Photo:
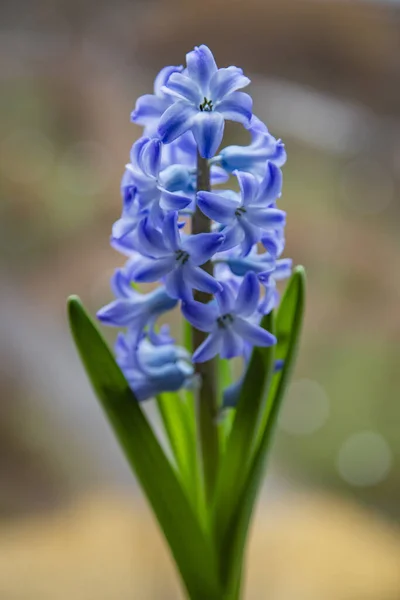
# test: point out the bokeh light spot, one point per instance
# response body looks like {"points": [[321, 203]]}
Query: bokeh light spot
{"points": [[305, 409], [364, 459]]}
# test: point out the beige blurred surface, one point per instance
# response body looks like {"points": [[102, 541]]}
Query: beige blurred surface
{"points": [[105, 546]]}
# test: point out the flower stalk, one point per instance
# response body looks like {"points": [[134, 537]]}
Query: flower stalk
{"points": [[207, 405]]}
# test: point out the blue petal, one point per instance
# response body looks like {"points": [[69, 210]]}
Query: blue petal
{"points": [[201, 67], [149, 108], [150, 157], [225, 299], [150, 240], [148, 270], [248, 186], [202, 246], [201, 316], [234, 235], [121, 284], [236, 107], [266, 218], [119, 313], [269, 301], [252, 235], [217, 207], [178, 286], [173, 200], [208, 131], [176, 120], [283, 269], [218, 175], [163, 77], [232, 344], [136, 151], [209, 348], [171, 232], [226, 81], [176, 177], [255, 335], [248, 295], [200, 280], [271, 185], [274, 242], [184, 88]]}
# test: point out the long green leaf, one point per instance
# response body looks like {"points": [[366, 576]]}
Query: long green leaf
{"points": [[189, 544], [237, 457], [289, 324]]}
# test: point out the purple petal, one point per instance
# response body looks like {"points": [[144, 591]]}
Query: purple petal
{"points": [[248, 295], [236, 107], [266, 218], [283, 269], [218, 175], [252, 235], [234, 234], [209, 348], [202, 246], [200, 280], [271, 185], [217, 207], [248, 186], [173, 200], [150, 157], [201, 316], [255, 335], [171, 232], [148, 108], [201, 67], [232, 344], [184, 88], [148, 270], [176, 120], [226, 81], [208, 131]]}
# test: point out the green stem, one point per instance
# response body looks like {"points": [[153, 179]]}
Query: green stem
{"points": [[207, 393]]}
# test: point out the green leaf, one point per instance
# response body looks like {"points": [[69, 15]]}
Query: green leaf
{"points": [[180, 427], [237, 458], [192, 549], [288, 330]]}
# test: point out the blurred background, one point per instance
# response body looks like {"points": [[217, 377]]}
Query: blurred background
{"points": [[326, 79]]}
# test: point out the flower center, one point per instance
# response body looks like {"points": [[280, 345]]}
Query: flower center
{"points": [[206, 105], [240, 211], [224, 321], [181, 256]]}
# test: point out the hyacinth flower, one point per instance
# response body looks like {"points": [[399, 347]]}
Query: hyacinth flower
{"points": [[214, 256]]}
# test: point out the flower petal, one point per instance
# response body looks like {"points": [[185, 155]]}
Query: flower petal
{"points": [[202, 246], [148, 270], [236, 107], [202, 316], [232, 344], [257, 336], [209, 348], [201, 67], [177, 285], [200, 280], [148, 108], [217, 207], [225, 299], [248, 186], [271, 185], [183, 87], [173, 200], [177, 119], [163, 77], [226, 81], [119, 313], [171, 232], [150, 157], [150, 240], [266, 218], [208, 131], [252, 235], [234, 234], [248, 295]]}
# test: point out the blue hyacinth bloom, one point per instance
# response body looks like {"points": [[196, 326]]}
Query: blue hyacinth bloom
{"points": [[228, 321], [151, 370], [252, 158], [204, 97], [176, 257], [250, 213]]}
